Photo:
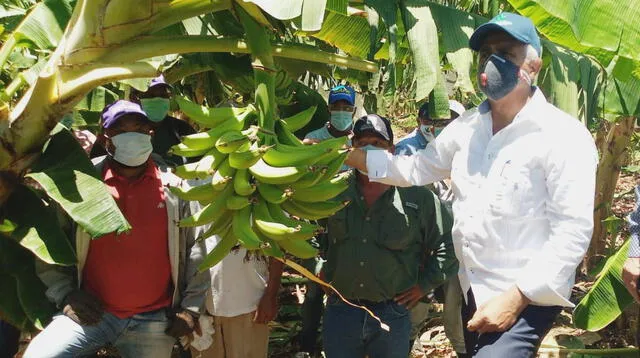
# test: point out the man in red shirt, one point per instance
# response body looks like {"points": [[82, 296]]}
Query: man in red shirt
{"points": [[137, 290]]}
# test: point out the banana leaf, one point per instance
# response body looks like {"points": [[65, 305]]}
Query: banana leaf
{"points": [[38, 228], [387, 11], [313, 14], [563, 79], [456, 27], [602, 28], [339, 6], [281, 10], [348, 33], [10, 309], [42, 27], [607, 298], [422, 34], [69, 178]]}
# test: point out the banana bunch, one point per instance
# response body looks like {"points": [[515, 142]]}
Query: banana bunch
{"points": [[262, 187]]}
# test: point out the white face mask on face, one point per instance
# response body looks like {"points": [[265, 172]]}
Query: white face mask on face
{"points": [[425, 130], [131, 148]]}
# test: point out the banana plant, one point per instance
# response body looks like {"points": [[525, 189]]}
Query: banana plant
{"points": [[99, 42], [607, 298]]}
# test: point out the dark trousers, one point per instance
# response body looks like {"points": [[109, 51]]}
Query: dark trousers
{"points": [[349, 332], [522, 340], [9, 340], [312, 310]]}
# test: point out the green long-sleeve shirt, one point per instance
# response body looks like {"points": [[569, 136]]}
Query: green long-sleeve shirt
{"points": [[402, 240]]}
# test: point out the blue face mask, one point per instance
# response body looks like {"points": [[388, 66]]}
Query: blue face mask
{"points": [[502, 76], [341, 120]]}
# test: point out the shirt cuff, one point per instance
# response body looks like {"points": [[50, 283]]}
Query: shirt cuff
{"points": [[541, 294], [378, 164]]}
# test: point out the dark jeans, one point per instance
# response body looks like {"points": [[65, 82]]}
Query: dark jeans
{"points": [[9, 339], [349, 332], [522, 340]]}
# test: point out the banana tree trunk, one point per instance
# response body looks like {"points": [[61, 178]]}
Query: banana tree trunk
{"points": [[614, 147]]}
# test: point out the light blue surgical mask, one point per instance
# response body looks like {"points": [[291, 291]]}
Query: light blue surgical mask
{"points": [[341, 120], [156, 108]]}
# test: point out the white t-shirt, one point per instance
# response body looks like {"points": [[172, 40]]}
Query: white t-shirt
{"points": [[236, 285]]}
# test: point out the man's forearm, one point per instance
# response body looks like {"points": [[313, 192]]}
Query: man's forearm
{"points": [[275, 276]]}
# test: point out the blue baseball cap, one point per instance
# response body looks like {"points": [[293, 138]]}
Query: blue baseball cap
{"points": [[519, 27], [342, 92], [116, 110]]}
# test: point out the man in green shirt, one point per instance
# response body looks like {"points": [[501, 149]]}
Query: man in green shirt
{"points": [[386, 250]]}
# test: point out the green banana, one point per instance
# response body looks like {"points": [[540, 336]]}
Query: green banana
{"points": [[300, 119], [219, 226], [285, 135], [283, 155], [271, 248], [232, 140], [313, 211], [203, 192], [222, 176], [211, 212], [299, 248], [334, 167], [237, 202], [227, 241], [310, 179], [208, 139], [266, 173], [202, 168], [274, 230], [274, 194], [243, 231], [183, 150], [245, 159], [208, 117], [242, 184], [323, 191], [280, 216]]}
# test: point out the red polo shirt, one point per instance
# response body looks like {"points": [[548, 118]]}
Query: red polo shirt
{"points": [[131, 272]]}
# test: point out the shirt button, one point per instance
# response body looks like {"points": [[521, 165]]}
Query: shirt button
{"points": [[362, 198], [362, 285], [361, 263], [364, 241], [367, 218]]}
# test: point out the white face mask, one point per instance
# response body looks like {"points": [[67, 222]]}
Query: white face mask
{"points": [[132, 148], [425, 130]]}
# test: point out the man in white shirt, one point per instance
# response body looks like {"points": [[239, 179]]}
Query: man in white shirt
{"points": [[523, 175], [242, 301]]}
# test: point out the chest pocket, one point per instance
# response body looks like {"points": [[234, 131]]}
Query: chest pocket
{"points": [[514, 194], [398, 227], [337, 227]]}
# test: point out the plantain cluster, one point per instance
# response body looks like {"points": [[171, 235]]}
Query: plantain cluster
{"points": [[263, 187]]}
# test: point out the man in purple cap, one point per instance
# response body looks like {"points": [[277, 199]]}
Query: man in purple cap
{"points": [[138, 290], [168, 130], [523, 176]]}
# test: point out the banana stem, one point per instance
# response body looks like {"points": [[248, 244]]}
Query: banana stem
{"points": [[152, 46], [263, 69], [6, 49]]}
